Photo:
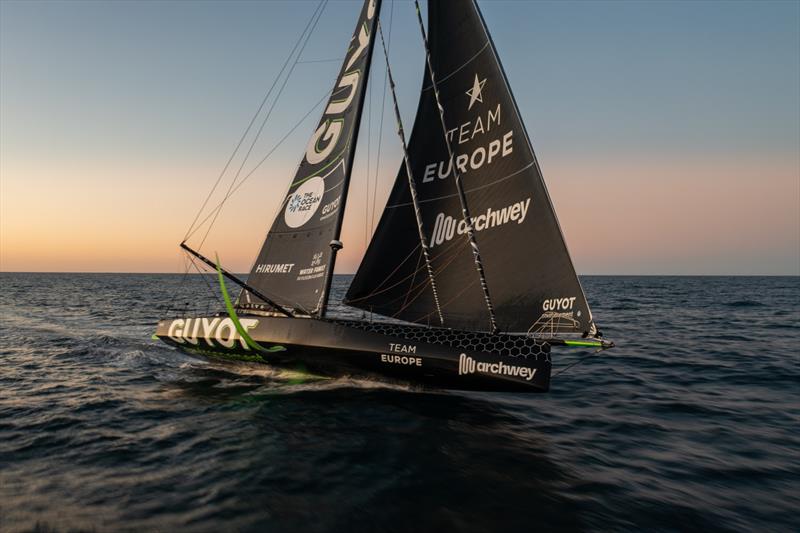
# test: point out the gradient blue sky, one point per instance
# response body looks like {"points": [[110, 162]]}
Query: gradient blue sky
{"points": [[668, 132]]}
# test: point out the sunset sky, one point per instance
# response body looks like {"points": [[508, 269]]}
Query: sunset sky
{"points": [[668, 132]]}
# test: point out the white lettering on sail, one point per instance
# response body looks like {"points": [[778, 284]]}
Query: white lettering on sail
{"points": [[330, 130], [340, 106], [274, 268], [470, 162], [446, 227], [363, 41], [468, 365], [558, 304]]}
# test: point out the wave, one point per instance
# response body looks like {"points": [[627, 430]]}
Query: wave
{"points": [[744, 303]]}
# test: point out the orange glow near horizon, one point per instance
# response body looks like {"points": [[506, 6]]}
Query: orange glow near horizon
{"points": [[700, 215]]}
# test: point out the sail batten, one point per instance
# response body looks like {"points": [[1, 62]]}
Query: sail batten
{"points": [[471, 131], [297, 259]]}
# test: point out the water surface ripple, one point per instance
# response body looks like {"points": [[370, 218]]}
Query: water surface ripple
{"points": [[690, 424]]}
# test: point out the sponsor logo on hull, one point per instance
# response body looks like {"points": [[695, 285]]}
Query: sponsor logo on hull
{"points": [[402, 348], [401, 359], [468, 365], [221, 330]]}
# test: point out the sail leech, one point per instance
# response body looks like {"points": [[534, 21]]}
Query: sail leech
{"points": [[467, 127], [298, 256]]}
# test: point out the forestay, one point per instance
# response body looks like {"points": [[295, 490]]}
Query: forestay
{"points": [[295, 264], [529, 272]]}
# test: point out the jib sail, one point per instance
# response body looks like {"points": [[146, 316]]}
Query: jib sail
{"points": [[528, 269], [295, 264]]}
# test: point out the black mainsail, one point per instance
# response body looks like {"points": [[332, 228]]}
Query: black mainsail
{"points": [[295, 264], [528, 269]]}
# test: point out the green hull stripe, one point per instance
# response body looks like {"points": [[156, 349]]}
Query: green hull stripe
{"points": [[238, 325], [584, 343]]}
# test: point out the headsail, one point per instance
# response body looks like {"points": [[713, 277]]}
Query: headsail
{"points": [[295, 264], [528, 268]]}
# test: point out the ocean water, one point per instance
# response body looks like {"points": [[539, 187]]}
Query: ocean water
{"points": [[691, 423]]}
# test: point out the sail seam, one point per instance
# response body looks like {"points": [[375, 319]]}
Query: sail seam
{"points": [[459, 69]]}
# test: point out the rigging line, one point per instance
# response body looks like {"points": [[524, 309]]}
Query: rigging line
{"points": [[441, 268], [422, 284], [369, 151], [576, 363], [277, 145], [378, 290], [412, 187], [266, 117], [203, 274], [320, 60], [459, 69], [454, 298], [476, 255], [413, 279], [252, 121], [185, 269], [454, 251], [380, 126]]}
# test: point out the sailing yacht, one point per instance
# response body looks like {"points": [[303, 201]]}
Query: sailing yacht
{"points": [[468, 260]]}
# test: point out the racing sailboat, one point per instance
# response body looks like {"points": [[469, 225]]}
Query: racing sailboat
{"points": [[468, 259]]}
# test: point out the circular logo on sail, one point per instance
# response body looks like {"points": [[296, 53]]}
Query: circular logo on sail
{"points": [[303, 203]]}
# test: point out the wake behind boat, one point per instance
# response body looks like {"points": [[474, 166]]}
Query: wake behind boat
{"points": [[468, 258]]}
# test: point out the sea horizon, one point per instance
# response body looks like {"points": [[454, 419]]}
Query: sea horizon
{"points": [[242, 274]]}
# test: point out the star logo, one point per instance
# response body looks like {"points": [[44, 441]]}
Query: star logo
{"points": [[475, 94]]}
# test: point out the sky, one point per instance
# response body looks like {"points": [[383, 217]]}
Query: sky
{"points": [[668, 132]]}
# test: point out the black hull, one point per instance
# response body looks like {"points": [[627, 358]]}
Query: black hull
{"points": [[430, 357]]}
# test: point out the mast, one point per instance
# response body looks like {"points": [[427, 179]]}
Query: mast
{"points": [[411, 185], [470, 229], [336, 244]]}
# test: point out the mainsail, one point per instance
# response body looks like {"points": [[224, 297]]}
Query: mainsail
{"points": [[528, 269], [295, 265]]}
